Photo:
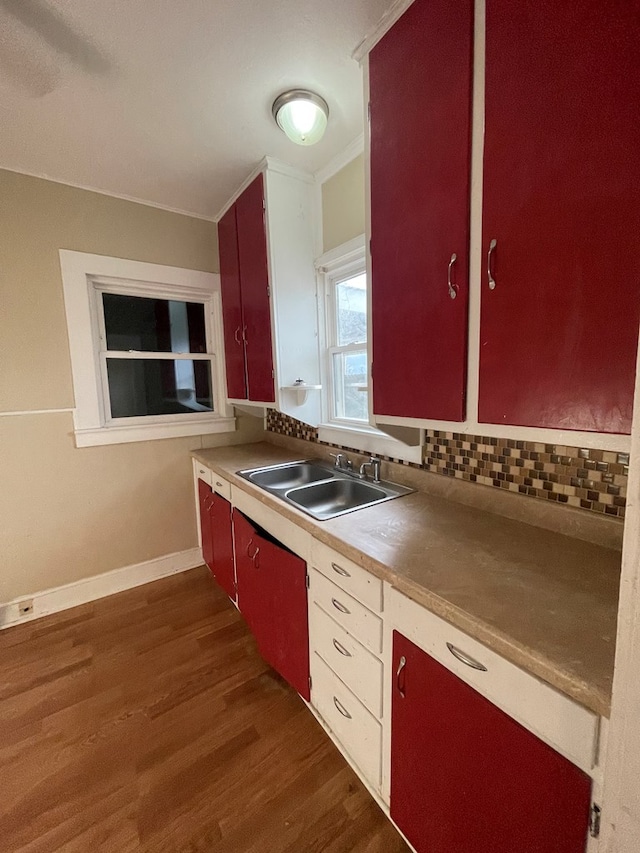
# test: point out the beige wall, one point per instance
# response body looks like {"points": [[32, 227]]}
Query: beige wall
{"points": [[68, 513], [343, 205]]}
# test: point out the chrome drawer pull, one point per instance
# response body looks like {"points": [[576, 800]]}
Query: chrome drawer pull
{"points": [[236, 335], [218, 483], [339, 647], [492, 281], [340, 607], [452, 287], [341, 708], [474, 664], [401, 666], [339, 570]]}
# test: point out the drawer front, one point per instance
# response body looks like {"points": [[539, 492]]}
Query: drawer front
{"points": [[357, 581], [357, 730], [221, 486], [354, 617], [556, 719], [351, 662], [201, 472]]}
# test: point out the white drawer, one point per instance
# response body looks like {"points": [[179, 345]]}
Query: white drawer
{"points": [[220, 485], [354, 617], [351, 662], [201, 472], [357, 730], [556, 719], [357, 581]]}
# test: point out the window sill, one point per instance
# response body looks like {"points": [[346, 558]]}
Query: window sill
{"points": [[368, 440], [149, 432]]}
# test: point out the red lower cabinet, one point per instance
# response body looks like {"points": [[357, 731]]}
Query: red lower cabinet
{"points": [[222, 564], [466, 777], [217, 537], [205, 497], [272, 597]]}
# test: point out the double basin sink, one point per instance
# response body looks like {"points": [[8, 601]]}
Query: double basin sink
{"points": [[321, 491]]}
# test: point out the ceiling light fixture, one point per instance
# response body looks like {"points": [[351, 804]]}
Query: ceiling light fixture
{"points": [[302, 115]]}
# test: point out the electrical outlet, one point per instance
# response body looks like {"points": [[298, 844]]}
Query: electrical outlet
{"points": [[25, 607]]}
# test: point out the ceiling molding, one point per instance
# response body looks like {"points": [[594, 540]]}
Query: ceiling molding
{"points": [[190, 213], [386, 22], [353, 150], [273, 165]]}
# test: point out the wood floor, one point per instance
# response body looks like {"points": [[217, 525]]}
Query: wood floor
{"points": [[148, 722]]}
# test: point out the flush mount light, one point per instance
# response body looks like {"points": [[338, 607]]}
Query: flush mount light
{"points": [[302, 115]]}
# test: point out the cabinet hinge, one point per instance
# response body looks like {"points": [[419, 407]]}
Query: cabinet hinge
{"points": [[310, 683], [370, 252], [269, 292], [306, 581], [369, 111], [595, 816]]}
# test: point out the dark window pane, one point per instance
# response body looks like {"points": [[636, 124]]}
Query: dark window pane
{"points": [[153, 325], [139, 387]]}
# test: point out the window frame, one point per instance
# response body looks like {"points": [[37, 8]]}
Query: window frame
{"points": [[85, 277], [339, 273], [338, 264]]}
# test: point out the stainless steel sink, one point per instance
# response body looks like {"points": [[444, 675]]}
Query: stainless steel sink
{"points": [[325, 500], [289, 476], [321, 491]]}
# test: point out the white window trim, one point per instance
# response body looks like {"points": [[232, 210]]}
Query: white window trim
{"points": [[350, 257], [83, 275]]}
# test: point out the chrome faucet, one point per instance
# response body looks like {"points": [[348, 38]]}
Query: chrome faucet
{"points": [[343, 463], [374, 463]]}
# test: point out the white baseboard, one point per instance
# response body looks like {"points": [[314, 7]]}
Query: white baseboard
{"points": [[89, 589]]}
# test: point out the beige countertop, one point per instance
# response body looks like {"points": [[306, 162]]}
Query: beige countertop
{"points": [[545, 601]]}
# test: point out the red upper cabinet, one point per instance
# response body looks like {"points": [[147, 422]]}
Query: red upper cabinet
{"points": [[269, 300], [420, 130], [246, 310], [561, 196], [254, 280], [272, 597], [232, 305], [467, 777]]}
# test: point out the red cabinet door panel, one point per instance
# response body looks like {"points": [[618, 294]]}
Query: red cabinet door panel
{"points": [[466, 777], [272, 597], [222, 564], [254, 280], [420, 100], [232, 305], [561, 196], [205, 496]]}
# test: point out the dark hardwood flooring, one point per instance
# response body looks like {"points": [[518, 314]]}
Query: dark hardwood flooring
{"points": [[147, 721]]}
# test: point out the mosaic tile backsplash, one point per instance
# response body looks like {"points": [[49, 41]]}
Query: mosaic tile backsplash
{"points": [[593, 480]]}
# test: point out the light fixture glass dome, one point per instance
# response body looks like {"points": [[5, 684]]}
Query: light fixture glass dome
{"points": [[302, 115]]}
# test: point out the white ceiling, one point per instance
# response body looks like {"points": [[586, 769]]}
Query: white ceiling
{"points": [[169, 101]]}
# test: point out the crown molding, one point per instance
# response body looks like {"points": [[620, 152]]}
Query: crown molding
{"points": [[353, 150], [385, 23]]}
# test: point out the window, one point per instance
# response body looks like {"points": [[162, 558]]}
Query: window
{"points": [[343, 284], [143, 350], [349, 352]]}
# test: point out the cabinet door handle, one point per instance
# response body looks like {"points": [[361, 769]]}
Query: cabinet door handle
{"points": [[236, 335], [244, 334], [492, 281], [401, 666], [254, 558], [452, 287], [339, 606], [341, 708], [340, 571], [463, 658], [219, 484], [339, 647]]}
